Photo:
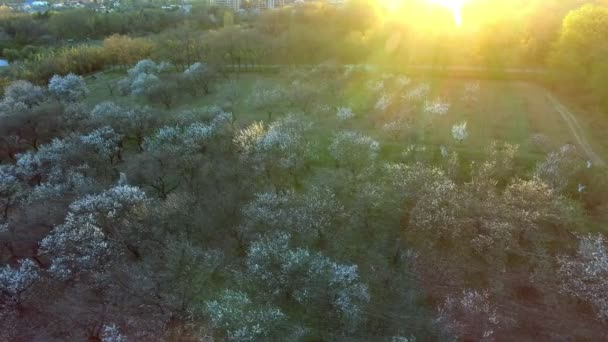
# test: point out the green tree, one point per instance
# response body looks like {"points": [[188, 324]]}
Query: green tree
{"points": [[581, 53]]}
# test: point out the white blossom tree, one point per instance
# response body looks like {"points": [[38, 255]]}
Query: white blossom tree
{"points": [[418, 94], [345, 113], [398, 128], [111, 333], [188, 139], [585, 275], [14, 281], [68, 88], [11, 189], [147, 66], [105, 142], [21, 95], [133, 123], [241, 319], [14, 285], [307, 215], [97, 231], [147, 78], [173, 156], [354, 150], [384, 102], [436, 107], [560, 167], [143, 83], [199, 75], [28, 118], [460, 132], [94, 153], [278, 269], [283, 146], [470, 316], [269, 99]]}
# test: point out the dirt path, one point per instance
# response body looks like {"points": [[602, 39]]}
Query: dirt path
{"points": [[576, 130]]}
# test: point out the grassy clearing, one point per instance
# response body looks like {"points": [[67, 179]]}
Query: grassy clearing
{"points": [[509, 111]]}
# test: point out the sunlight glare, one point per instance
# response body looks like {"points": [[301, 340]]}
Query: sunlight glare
{"points": [[453, 5]]}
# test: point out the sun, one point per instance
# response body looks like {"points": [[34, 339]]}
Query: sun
{"points": [[453, 5]]}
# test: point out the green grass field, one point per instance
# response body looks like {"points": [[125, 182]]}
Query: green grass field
{"points": [[509, 111]]}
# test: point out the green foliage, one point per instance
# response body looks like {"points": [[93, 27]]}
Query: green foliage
{"points": [[581, 52]]}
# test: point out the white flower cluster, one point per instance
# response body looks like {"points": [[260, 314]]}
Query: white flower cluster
{"points": [[460, 132], [284, 142], [470, 308], [249, 137], [413, 150], [8, 181], [305, 214], [559, 168], [436, 107], [280, 268], [354, 149], [147, 66], [48, 158], [105, 109], [82, 242], [585, 275], [143, 83], [71, 153], [15, 281], [417, 181], [345, 113], [21, 95], [103, 140], [111, 333], [418, 93], [396, 127], [79, 244], [403, 339], [110, 202], [196, 70], [143, 77], [66, 165], [243, 320], [383, 102], [187, 139], [69, 88], [60, 182]]}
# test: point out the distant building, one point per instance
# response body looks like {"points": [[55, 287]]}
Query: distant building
{"points": [[263, 4], [234, 5], [39, 4]]}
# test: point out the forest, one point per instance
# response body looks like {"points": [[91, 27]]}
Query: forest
{"points": [[422, 170]]}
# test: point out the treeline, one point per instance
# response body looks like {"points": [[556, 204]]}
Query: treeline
{"points": [[559, 36], [580, 56], [116, 50], [50, 27]]}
